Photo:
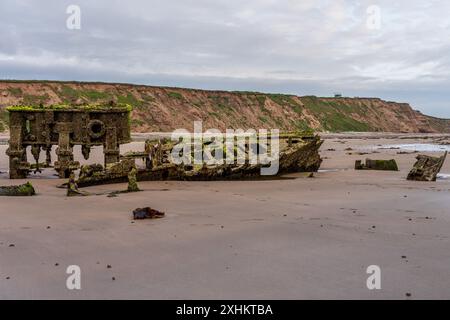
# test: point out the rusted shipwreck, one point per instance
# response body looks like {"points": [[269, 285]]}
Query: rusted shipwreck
{"points": [[426, 168], [298, 153], [108, 125], [42, 127]]}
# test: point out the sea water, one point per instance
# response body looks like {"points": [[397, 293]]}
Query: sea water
{"points": [[420, 147]]}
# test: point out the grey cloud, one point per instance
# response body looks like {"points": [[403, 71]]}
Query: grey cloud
{"points": [[301, 47]]}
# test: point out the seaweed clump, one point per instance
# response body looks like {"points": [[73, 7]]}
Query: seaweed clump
{"points": [[25, 189]]}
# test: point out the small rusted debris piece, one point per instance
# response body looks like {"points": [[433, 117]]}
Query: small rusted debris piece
{"points": [[132, 180], [72, 187], [388, 165], [20, 190], [147, 213], [426, 168]]}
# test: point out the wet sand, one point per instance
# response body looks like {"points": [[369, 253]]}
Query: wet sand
{"points": [[302, 238]]}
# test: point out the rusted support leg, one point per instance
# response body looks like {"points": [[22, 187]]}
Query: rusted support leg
{"points": [[111, 147], [48, 155], [17, 154], [64, 153]]}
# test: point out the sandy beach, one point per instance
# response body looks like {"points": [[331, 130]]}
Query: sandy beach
{"points": [[291, 238]]}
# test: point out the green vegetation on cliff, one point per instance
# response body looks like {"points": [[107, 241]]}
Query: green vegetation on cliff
{"points": [[84, 107], [166, 109]]}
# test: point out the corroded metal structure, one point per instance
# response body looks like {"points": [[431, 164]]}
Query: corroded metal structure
{"points": [[41, 127], [298, 153], [426, 168]]}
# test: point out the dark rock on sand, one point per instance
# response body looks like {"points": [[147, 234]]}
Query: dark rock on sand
{"points": [[147, 213]]}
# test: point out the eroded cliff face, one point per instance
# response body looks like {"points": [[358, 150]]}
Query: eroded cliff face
{"points": [[166, 109]]}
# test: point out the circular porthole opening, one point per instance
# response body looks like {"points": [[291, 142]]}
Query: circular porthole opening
{"points": [[96, 129]]}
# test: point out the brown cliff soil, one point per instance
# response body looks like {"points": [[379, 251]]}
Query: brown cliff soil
{"points": [[166, 109]]}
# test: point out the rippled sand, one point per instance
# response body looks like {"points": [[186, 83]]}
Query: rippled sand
{"points": [[273, 239]]}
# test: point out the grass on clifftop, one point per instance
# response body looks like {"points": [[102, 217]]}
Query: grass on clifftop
{"points": [[87, 107], [335, 116], [285, 111]]}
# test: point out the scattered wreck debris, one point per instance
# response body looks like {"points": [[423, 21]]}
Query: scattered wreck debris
{"points": [[96, 174], [42, 127], [72, 187], [132, 181], [147, 213], [426, 168], [388, 165], [25, 189], [87, 171]]}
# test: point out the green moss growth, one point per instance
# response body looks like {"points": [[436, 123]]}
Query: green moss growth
{"points": [[334, 115], [175, 95], [16, 92], [137, 123], [246, 92], [338, 122], [69, 94], [87, 107], [26, 189], [130, 99], [263, 119], [94, 95], [390, 165], [222, 103], [302, 125], [199, 104], [29, 99], [286, 100], [261, 100], [16, 191]]}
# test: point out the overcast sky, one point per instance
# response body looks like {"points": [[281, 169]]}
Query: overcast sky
{"points": [[292, 46]]}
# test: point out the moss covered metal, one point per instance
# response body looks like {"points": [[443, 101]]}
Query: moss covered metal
{"points": [[42, 127]]}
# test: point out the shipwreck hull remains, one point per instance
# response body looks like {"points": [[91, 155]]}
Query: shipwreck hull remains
{"points": [[426, 168], [297, 154], [41, 127]]}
